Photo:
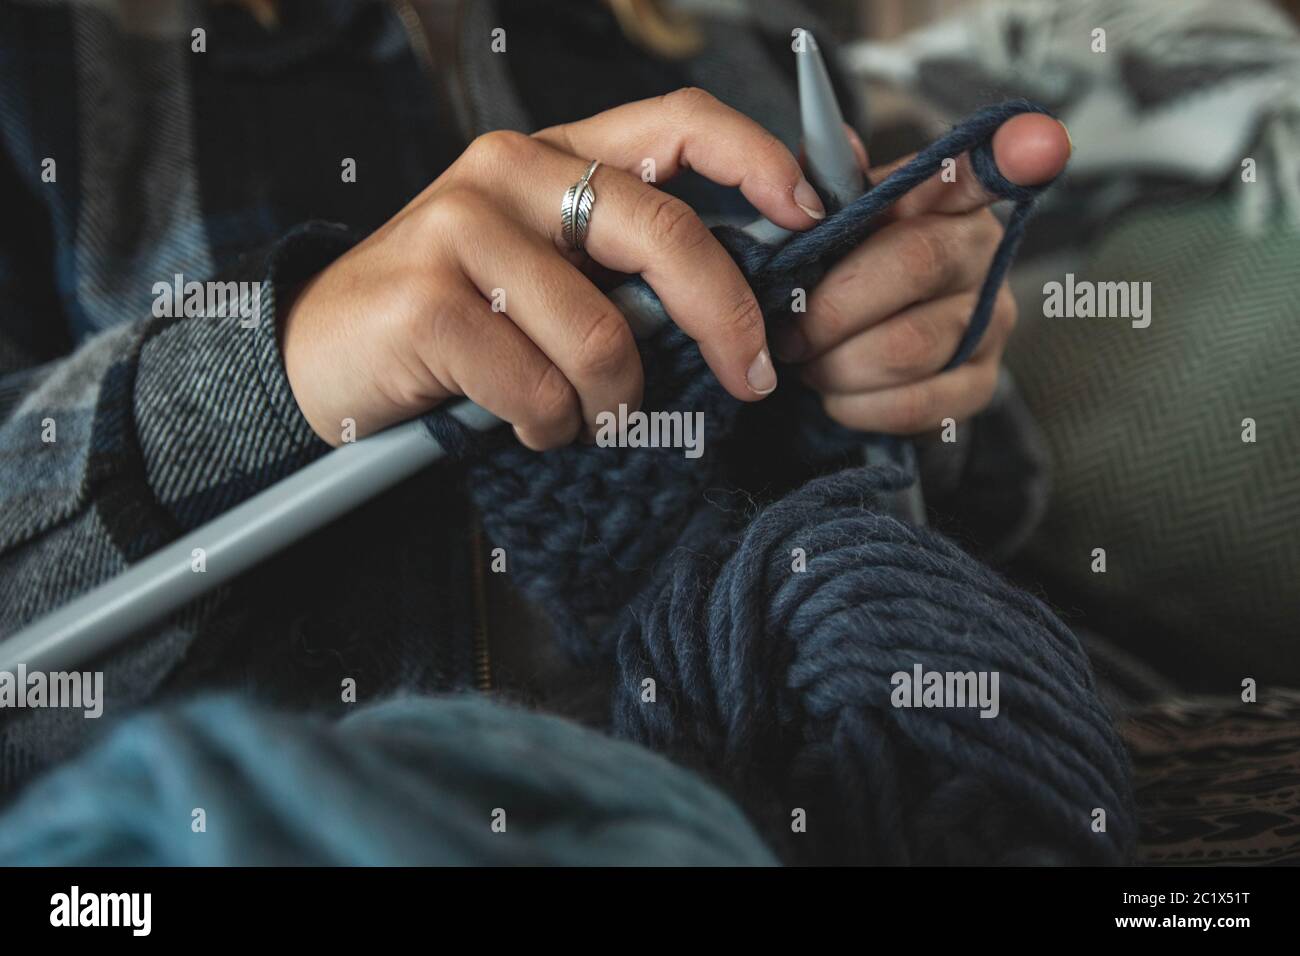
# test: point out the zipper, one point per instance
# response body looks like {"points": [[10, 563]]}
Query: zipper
{"points": [[482, 647]]}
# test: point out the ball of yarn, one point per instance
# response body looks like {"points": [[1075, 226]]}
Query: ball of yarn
{"points": [[775, 678], [410, 781]]}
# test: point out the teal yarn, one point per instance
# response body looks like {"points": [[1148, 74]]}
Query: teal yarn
{"points": [[412, 781]]}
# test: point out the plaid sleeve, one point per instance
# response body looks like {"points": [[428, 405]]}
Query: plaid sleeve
{"points": [[112, 450], [147, 430], [214, 413]]}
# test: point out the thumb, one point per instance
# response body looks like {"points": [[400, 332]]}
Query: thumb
{"points": [[1030, 149]]}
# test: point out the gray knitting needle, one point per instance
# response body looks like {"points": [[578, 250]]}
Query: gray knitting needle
{"points": [[335, 484], [252, 531], [834, 170], [832, 165]]}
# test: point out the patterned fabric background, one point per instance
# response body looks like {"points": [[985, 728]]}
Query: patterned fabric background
{"points": [[1218, 781]]}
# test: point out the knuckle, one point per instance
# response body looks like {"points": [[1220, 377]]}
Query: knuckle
{"points": [[502, 147], [986, 229], [688, 100], [552, 401], [668, 221], [912, 345], [453, 209], [828, 314], [742, 319], [924, 251], [605, 347]]}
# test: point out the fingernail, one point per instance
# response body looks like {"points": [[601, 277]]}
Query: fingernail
{"points": [[806, 198], [789, 344], [761, 376]]}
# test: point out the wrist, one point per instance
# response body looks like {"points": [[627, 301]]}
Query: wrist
{"points": [[293, 335]]}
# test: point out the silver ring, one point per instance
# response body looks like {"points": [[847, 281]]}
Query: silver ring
{"points": [[575, 209]]}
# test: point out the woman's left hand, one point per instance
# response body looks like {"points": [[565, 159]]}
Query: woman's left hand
{"points": [[885, 320]]}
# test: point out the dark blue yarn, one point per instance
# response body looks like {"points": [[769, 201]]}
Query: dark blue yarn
{"points": [[776, 682], [583, 524], [775, 272]]}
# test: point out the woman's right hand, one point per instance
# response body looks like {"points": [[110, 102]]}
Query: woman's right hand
{"points": [[405, 319]]}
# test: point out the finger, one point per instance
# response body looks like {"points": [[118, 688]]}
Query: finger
{"points": [[691, 129], [577, 328], [519, 385], [859, 148], [914, 344], [918, 406], [903, 264], [1030, 149], [636, 228], [910, 346], [1001, 324]]}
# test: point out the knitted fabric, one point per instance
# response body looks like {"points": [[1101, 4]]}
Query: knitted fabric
{"points": [[582, 524], [776, 680]]}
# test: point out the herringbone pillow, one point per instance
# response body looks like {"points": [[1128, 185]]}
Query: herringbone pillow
{"points": [[1201, 529]]}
